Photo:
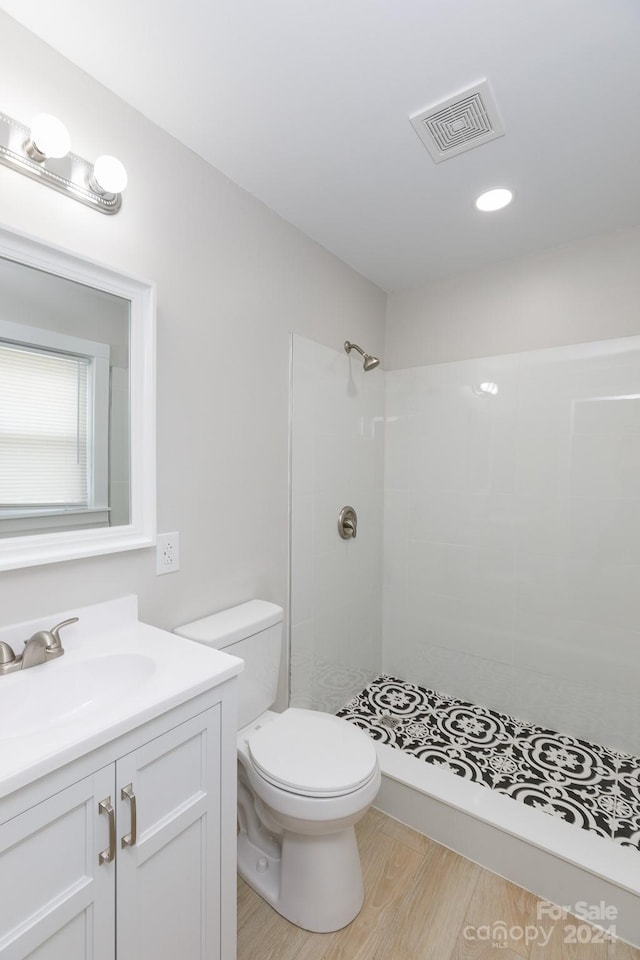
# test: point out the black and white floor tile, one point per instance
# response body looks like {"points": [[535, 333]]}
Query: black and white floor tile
{"points": [[585, 784]]}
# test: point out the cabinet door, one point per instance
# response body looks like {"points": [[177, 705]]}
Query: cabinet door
{"points": [[56, 899], [168, 880]]}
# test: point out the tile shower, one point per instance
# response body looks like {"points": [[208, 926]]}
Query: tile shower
{"points": [[497, 563], [585, 784]]}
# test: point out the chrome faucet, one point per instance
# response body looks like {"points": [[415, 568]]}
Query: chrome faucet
{"points": [[42, 646]]}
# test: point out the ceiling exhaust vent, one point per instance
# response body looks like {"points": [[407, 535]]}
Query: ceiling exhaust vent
{"points": [[462, 122]]}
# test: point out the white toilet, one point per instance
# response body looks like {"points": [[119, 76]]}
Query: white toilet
{"points": [[304, 779]]}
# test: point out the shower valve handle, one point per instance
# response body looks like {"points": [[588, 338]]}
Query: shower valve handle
{"points": [[348, 523]]}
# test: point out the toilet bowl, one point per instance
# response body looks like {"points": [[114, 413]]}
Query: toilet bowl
{"points": [[305, 778], [304, 781]]}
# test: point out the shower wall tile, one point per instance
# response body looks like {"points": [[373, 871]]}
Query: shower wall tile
{"points": [[467, 625], [439, 462], [305, 389], [342, 574], [605, 530], [502, 371], [343, 634], [501, 449], [461, 517], [398, 393], [511, 557], [541, 525], [608, 414], [346, 651], [575, 587], [605, 465], [601, 713], [396, 534], [302, 473], [301, 692], [324, 523], [396, 452], [544, 405], [542, 465], [336, 586], [346, 465], [520, 550], [301, 548], [574, 649], [463, 571]]}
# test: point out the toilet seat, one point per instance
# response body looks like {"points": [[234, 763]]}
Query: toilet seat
{"points": [[312, 754]]}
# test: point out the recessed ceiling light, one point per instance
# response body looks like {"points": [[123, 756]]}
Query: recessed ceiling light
{"points": [[494, 199]]}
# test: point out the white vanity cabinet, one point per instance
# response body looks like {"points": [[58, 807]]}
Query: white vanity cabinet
{"points": [[56, 901], [168, 880], [128, 861]]}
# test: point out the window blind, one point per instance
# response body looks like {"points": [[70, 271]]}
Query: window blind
{"points": [[43, 438]]}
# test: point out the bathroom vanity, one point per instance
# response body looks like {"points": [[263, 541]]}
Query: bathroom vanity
{"points": [[118, 795]]}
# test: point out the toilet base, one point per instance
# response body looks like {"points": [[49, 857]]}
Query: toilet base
{"points": [[316, 882]]}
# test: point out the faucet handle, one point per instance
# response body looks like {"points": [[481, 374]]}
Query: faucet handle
{"points": [[55, 645], [6, 653], [51, 638]]}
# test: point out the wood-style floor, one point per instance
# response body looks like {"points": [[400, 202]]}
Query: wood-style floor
{"points": [[423, 902]]}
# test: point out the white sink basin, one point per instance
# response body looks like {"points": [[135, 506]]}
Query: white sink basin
{"points": [[59, 693], [116, 674]]}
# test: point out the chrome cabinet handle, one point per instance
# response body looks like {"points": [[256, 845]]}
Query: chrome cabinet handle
{"points": [[127, 793], [107, 855]]}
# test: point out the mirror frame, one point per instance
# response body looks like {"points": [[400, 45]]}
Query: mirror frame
{"points": [[27, 551]]}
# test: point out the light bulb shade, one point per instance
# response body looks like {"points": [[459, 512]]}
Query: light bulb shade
{"points": [[109, 175], [50, 136]]}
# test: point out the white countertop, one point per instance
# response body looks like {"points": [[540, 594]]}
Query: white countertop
{"points": [[116, 673]]}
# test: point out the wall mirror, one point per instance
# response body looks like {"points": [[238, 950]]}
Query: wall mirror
{"points": [[77, 406]]}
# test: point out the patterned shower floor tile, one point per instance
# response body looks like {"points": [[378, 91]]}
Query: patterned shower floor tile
{"points": [[585, 784]]}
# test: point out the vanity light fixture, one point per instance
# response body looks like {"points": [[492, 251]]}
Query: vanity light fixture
{"points": [[42, 152], [494, 199], [109, 175], [48, 139]]}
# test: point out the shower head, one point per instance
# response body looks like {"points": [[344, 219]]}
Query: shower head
{"points": [[370, 363]]}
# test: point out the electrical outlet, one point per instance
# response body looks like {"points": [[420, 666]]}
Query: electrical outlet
{"points": [[167, 553]]}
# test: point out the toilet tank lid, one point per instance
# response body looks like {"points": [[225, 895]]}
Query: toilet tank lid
{"points": [[230, 626]]}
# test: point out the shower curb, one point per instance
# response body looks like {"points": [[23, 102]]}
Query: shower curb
{"points": [[553, 860]]}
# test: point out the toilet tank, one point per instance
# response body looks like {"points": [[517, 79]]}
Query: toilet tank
{"points": [[253, 632]]}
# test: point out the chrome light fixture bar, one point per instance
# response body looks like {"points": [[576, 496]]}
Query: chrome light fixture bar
{"points": [[42, 153]]}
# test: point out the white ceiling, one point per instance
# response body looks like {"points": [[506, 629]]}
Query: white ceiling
{"points": [[305, 104]]}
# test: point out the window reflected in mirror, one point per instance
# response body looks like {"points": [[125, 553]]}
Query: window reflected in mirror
{"points": [[64, 404]]}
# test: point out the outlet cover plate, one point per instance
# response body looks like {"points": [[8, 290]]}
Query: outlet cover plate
{"points": [[168, 553]]}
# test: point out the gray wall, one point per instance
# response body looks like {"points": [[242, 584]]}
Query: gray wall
{"points": [[233, 281], [584, 291]]}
